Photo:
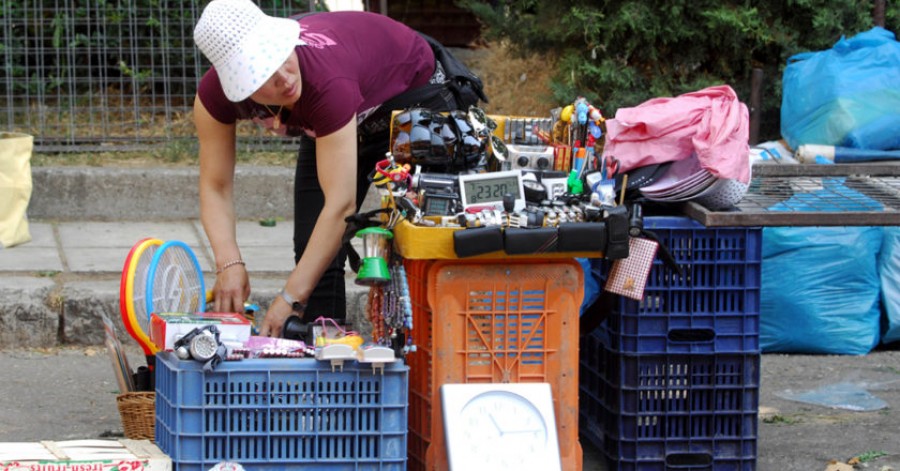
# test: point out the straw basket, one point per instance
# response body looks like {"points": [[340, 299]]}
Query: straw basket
{"points": [[138, 412]]}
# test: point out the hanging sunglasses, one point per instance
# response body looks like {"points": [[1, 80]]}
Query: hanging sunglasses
{"points": [[400, 147], [480, 121], [419, 137], [497, 148], [405, 120], [469, 148], [422, 145], [485, 127]]}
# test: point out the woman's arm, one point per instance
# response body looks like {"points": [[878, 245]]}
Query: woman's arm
{"points": [[217, 163], [336, 162]]}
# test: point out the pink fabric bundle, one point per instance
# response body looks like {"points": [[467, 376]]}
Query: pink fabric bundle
{"points": [[711, 123]]}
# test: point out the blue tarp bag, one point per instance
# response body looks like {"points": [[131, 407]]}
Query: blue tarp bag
{"points": [[593, 274], [820, 291], [889, 272], [846, 96]]}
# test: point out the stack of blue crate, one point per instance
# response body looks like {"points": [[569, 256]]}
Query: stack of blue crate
{"points": [[672, 381]]}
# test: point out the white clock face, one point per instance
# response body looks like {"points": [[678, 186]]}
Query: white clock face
{"points": [[501, 430]]}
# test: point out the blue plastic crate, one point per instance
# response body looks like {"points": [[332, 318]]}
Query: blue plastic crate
{"points": [[273, 414], [658, 412], [712, 308]]}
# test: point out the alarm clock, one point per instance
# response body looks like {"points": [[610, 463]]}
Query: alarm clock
{"points": [[500, 426], [488, 189]]}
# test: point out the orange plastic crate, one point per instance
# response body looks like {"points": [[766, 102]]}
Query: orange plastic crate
{"points": [[484, 321]]}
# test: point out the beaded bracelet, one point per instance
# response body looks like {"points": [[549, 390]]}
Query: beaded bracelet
{"points": [[230, 264]]}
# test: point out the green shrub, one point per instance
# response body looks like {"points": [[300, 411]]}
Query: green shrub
{"points": [[621, 53]]}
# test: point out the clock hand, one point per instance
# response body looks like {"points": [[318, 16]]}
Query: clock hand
{"points": [[496, 425]]}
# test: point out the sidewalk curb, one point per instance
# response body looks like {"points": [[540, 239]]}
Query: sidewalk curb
{"points": [[165, 193], [42, 309]]}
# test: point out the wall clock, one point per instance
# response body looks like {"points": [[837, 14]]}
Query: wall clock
{"points": [[500, 426]]}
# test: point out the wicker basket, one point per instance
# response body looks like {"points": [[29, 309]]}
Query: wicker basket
{"points": [[138, 412]]}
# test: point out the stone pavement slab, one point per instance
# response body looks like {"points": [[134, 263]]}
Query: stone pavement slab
{"points": [[91, 247], [40, 254]]}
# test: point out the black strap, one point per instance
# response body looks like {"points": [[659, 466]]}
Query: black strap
{"points": [[663, 252], [457, 72], [458, 76]]}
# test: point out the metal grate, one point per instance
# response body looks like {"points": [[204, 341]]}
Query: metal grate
{"points": [[99, 75], [814, 195]]}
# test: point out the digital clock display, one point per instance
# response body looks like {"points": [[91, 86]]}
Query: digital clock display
{"points": [[490, 190]]}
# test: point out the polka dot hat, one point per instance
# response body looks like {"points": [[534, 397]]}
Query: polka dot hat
{"points": [[245, 45]]}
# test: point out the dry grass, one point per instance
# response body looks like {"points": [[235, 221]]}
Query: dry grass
{"points": [[170, 156], [515, 86]]}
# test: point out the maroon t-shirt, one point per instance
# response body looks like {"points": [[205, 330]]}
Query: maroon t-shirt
{"points": [[352, 63]]}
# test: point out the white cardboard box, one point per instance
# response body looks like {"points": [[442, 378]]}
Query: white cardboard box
{"points": [[167, 327], [83, 455]]}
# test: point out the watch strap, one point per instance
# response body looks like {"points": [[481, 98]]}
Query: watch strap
{"points": [[295, 305]]}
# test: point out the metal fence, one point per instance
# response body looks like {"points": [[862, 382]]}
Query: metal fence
{"points": [[85, 75]]}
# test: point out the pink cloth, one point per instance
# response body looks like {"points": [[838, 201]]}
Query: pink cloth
{"points": [[711, 123]]}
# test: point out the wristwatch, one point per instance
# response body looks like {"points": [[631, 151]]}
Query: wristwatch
{"points": [[295, 305]]}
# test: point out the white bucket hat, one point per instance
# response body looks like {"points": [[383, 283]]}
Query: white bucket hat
{"points": [[245, 45]]}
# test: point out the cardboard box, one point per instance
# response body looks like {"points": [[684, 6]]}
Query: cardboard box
{"points": [[83, 455], [167, 327]]}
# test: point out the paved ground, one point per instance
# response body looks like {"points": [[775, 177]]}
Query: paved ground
{"points": [[52, 289]]}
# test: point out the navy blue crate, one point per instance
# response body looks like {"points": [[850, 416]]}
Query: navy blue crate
{"points": [[273, 414], [712, 308], [683, 411]]}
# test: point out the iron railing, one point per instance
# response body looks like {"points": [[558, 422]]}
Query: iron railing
{"points": [[85, 75]]}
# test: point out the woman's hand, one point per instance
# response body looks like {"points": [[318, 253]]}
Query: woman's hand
{"points": [[273, 321], [232, 288]]}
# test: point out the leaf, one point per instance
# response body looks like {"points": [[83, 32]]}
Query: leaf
{"points": [[870, 455]]}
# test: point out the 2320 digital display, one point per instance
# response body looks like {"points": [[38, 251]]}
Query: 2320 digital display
{"points": [[490, 190]]}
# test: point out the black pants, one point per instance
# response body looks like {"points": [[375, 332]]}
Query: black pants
{"points": [[329, 298]]}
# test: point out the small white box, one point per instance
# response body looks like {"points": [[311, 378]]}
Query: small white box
{"points": [[167, 327]]}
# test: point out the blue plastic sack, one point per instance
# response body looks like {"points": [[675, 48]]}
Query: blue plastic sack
{"points": [[889, 273], [593, 274], [847, 96], [820, 291]]}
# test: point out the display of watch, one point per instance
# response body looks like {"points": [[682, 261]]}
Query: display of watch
{"points": [[295, 305]]}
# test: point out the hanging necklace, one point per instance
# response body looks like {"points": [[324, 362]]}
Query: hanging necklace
{"points": [[276, 123]]}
